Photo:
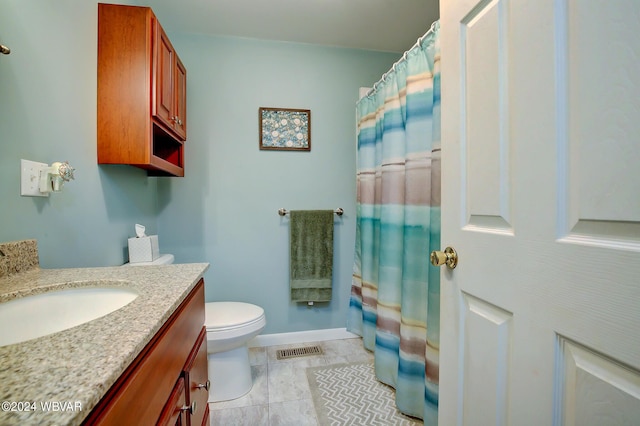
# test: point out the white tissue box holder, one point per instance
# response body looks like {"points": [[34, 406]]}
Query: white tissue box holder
{"points": [[144, 249]]}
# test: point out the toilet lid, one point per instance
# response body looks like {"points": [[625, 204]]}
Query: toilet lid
{"points": [[229, 314]]}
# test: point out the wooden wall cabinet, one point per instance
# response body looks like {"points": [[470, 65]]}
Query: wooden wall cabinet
{"points": [[167, 383], [142, 86], [169, 85]]}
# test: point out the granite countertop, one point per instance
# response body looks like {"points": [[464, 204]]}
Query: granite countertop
{"points": [[76, 367]]}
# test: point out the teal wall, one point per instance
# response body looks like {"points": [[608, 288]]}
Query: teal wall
{"points": [[224, 211], [47, 114]]}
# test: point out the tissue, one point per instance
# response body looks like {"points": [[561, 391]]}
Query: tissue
{"points": [[143, 248], [140, 231]]}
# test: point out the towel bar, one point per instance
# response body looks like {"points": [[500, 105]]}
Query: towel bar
{"points": [[339, 211]]}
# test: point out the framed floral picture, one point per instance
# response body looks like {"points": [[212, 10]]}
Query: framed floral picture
{"points": [[285, 129]]}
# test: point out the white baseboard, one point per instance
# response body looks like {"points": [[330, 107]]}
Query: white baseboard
{"points": [[300, 337]]}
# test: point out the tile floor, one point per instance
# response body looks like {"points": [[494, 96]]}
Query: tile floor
{"points": [[280, 395]]}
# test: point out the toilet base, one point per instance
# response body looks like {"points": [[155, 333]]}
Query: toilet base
{"points": [[229, 374]]}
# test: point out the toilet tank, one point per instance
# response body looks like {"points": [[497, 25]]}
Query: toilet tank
{"points": [[164, 259]]}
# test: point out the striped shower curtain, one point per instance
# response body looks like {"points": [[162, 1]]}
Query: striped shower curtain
{"points": [[395, 293]]}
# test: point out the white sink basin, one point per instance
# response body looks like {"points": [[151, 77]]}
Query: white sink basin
{"points": [[34, 316]]}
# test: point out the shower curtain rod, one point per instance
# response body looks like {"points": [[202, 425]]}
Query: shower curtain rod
{"points": [[404, 57]]}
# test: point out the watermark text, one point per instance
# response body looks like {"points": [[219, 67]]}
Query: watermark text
{"points": [[45, 406]]}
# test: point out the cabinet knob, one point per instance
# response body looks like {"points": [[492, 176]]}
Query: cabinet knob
{"points": [[190, 408], [206, 385]]}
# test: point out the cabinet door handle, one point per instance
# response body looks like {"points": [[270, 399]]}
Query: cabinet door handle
{"points": [[206, 385], [190, 408]]}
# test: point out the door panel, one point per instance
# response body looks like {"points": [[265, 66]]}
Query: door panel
{"points": [[601, 124], [540, 176], [486, 330], [594, 389], [484, 133]]}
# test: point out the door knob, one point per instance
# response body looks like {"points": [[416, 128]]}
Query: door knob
{"points": [[448, 257]]}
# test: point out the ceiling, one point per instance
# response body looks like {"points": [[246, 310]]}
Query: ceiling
{"points": [[383, 25]]}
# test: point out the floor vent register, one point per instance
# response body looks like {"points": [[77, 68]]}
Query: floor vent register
{"points": [[298, 352]]}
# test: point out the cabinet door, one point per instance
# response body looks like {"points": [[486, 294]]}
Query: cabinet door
{"points": [[197, 376], [163, 77], [174, 413], [180, 88]]}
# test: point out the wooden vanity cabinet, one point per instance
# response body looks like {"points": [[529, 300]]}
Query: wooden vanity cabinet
{"points": [[142, 118], [166, 378]]}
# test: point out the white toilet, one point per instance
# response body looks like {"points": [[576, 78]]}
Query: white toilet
{"points": [[230, 326], [164, 259]]}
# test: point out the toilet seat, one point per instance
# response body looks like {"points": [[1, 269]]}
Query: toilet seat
{"points": [[229, 316]]}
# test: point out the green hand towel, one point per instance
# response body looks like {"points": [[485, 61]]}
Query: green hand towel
{"points": [[311, 261]]}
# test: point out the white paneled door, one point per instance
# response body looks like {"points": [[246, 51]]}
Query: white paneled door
{"points": [[540, 320]]}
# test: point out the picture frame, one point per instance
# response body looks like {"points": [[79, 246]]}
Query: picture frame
{"points": [[284, 129]]}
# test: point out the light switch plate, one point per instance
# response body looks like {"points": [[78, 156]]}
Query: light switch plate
{"points": [[30, 178]]}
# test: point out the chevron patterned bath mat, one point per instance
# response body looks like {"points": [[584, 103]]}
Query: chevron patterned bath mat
{"points": [[349, 394]]}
